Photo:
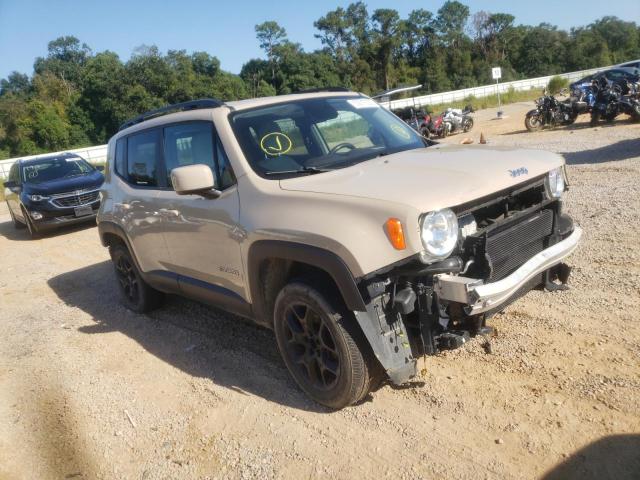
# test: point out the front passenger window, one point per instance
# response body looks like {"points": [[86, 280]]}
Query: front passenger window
{"points": [[188, 144], [142, 158]]}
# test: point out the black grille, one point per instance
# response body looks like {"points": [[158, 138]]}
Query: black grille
{"points": [[73, 200], [510, 247]]}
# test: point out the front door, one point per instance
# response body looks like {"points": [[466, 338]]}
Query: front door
{"points": [[202, 234]]}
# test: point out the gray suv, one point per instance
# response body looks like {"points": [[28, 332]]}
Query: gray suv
{"points": [[324, 217]]}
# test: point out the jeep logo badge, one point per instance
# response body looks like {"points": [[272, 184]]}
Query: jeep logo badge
{"points": [[518, 171]]}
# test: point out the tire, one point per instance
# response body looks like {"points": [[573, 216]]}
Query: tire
{"points": [[137, 295], [33, 230], [467, 125], [446, 130], [595, 118], [533, 123], [322, 345], [17, 224], [425, 133]]}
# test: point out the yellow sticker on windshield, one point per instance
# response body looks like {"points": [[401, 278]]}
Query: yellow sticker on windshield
{"points": [[275, 143], [400, 130]]}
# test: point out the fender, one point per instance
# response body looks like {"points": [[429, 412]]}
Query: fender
{"points": [[533, 112], [315, 256]]}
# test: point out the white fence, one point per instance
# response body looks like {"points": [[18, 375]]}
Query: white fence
{"points": [[487, 90], [93, 155]]}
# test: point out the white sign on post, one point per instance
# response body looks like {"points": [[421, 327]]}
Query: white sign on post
{"points": [[496, 73]]}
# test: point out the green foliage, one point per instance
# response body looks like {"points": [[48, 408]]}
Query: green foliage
{"points": [[77, 97], [556, 84]]}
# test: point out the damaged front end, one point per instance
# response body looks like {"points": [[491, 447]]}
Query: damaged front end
{"points": [[509, 243]]}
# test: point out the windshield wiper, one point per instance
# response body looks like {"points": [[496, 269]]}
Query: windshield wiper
{"points": [[300, 170]]}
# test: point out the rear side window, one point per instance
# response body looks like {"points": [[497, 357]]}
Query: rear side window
{"points": [[120, 165], [188, 144], [143, 151]]}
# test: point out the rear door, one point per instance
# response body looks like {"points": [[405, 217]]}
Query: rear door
{"points": [[202, 235], [138, 171]]}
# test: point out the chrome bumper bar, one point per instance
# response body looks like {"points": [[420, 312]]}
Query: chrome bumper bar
{"points": [[480, 297]]}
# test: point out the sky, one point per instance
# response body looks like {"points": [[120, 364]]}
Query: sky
{"points": [[226, 28]]}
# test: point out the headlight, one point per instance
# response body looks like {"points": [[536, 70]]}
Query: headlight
{"points": [[554, 183], [439, 232], [38, 198]]}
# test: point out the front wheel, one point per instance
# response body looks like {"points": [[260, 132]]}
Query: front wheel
{"points": [[31, 227], [595, 118], [424, 131], [321, 345], [533, 122], [467, 124], [17, 224]]}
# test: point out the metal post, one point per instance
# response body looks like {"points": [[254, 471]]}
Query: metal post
{"points": [[499, 102]]}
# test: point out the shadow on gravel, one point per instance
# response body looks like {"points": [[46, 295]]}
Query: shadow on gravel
{"points": [[197, 339], [616, 457], [621, 150], [10, 232]]}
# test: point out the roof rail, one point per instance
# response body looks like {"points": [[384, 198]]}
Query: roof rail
{"points": [[176, 107], [324, 89]]}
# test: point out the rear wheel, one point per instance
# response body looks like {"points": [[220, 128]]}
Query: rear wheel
{"points": [[137, 295], [467, 124], [533, 123], [595, 118], [424, 131], [322, 345]]}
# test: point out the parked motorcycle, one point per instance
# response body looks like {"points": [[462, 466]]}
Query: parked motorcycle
{"points": [[607, 100], [435, 127], [630, 102], [551, 112], [458, 119]]}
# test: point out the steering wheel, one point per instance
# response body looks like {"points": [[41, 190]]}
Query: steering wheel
{"points": [[340, 146]]}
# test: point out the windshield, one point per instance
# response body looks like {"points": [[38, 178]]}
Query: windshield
{"points": [[48, 169], [320, 134]]}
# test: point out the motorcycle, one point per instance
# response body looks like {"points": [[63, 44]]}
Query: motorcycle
{"points": [[550, 112], [458, 119], [607, 104], [435, 127], [630, 102]]}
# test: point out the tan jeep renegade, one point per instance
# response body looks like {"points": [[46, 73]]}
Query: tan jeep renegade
{"points": [[323, 216]]}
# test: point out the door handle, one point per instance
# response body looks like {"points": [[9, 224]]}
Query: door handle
{"points": [[166, 211]]}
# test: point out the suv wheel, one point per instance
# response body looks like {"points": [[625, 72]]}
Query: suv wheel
{"points": [[137, 295], [33, 230], [16, 223], [321, 346]]}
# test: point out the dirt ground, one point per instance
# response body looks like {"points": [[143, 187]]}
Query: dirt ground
{"points": [[90, 390]]}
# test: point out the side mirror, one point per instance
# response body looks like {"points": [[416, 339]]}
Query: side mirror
{"points": [[10, 184], [194, 180], [100, 168]]}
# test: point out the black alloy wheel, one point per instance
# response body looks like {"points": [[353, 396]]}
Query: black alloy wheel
{"points": [[137, 295], [311, 346], [322, 344], [128, 279]]}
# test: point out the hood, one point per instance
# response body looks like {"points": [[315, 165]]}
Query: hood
{"points": [[431, 178], [62, 185]]}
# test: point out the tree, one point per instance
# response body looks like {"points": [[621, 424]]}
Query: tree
{"points": [[270, 35], [387, 38]]}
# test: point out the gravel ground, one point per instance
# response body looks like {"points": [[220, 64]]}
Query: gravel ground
{"points": [[90, 390]]}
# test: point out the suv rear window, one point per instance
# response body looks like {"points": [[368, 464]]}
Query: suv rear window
{"points": [[143, 150]]}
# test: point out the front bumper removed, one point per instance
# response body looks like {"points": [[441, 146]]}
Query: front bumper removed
{"points": [[479, 297]]}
